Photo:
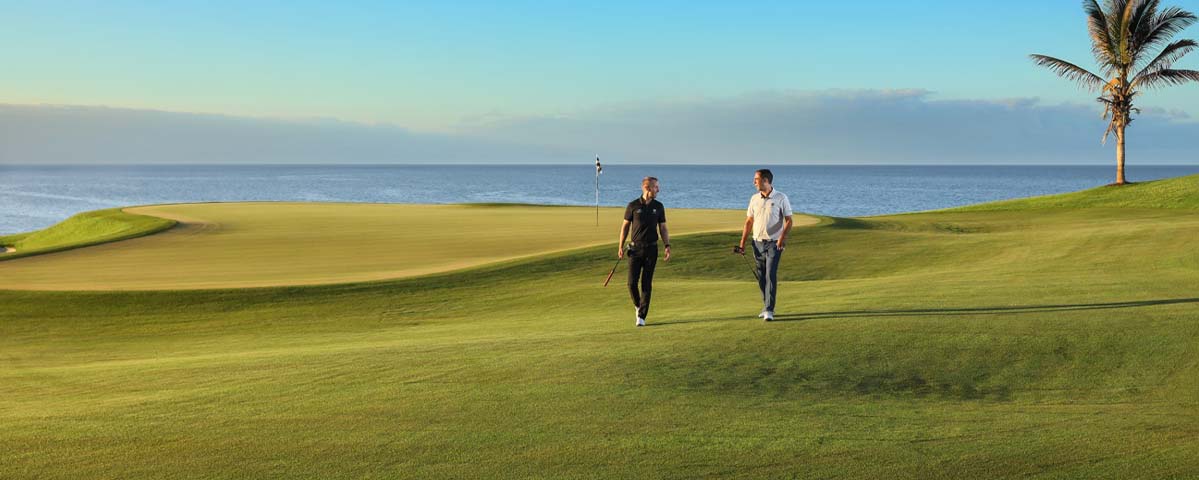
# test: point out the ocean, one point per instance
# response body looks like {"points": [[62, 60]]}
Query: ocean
{"points": [[35, 197]]}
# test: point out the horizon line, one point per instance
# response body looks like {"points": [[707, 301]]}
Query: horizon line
{"points": [[580, 164]]}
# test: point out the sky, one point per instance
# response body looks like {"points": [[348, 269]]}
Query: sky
{"points": [[528, 82]]}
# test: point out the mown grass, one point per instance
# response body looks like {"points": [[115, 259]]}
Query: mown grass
{"points": [[83, 230], [1055, 343], [257, 244], [1171, 193]]}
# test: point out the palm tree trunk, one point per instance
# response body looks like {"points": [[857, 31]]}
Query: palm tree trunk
{"points": [[1120, 156]]}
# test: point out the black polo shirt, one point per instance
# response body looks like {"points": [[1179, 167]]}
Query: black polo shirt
{"points": [[644, 218]]}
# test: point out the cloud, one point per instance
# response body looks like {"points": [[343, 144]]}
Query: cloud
{"points": [[42, 134], [825, 127], [851, 126]]}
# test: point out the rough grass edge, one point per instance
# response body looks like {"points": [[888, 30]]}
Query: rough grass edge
{"points": [[156, 225]]}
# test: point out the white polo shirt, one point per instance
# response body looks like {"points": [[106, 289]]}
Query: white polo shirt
{"points": [[768, 214]]}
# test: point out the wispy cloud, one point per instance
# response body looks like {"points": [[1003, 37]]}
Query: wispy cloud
{"points": [[851, 126], [825, 127], [37, 134]]}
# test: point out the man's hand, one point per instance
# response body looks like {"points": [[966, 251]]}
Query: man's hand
{"points": [[667, 259], [620, 252], [739, 249], [782, 244]]}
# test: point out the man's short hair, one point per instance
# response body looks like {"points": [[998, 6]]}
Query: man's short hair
{"points": [[645, 181], [765, 173]]}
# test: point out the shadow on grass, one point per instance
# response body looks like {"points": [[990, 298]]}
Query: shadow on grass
{"points": [[1005, 310], [650, 323]]}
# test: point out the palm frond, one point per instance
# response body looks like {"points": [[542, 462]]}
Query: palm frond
{"points": [[1108, 112], [1111, 111], [1142, 17], [1172, 53], [1116, 8], [1070, 71], [1167, 77], [1111, 105], [1101, 38], [1124, 35], [1164, 26], [1139, 26]]}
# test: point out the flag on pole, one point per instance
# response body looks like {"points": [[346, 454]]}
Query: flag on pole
{"points": [[599, 169]]}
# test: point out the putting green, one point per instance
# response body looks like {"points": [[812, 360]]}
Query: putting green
{"points": [[236, 245]]}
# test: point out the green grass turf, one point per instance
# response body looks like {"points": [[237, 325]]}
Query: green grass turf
{"points": [[221, 245], [1039, 342], [82, 230], [1176, 193]]}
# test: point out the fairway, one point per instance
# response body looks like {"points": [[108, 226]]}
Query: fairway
{"points": [[1047, 338], [227, 245]]}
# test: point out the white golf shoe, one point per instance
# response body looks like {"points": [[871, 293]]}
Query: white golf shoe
{"points": [[768, 316], [640, 321]]}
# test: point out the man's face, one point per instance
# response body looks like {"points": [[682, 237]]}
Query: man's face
{"points": [[761, 183], [651, 190]]}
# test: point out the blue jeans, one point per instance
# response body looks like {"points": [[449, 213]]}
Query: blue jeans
{"points": [[767, 254]]}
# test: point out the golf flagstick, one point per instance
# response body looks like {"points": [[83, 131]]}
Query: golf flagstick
{"points": [[598, 170]]}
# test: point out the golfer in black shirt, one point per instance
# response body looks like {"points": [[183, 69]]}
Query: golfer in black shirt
{"points": [[647, 217]]}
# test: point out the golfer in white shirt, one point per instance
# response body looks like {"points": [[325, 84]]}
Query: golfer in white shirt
{"points": [[769, 218]]}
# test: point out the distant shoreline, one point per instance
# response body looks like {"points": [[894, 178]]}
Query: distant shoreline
{"points": [[585, 164]]}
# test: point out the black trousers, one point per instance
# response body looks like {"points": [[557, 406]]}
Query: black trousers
{"points": [[642, 260]]}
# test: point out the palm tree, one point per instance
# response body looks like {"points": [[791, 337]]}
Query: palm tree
{"points": [[1122, 38]]}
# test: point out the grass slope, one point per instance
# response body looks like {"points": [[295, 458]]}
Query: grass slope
{"points": [[1170, 193], [1056, 343], [83, 230], [220, 245]]}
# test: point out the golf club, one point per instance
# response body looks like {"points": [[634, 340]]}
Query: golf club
{"points": [[752, 266], [606, 280]]}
